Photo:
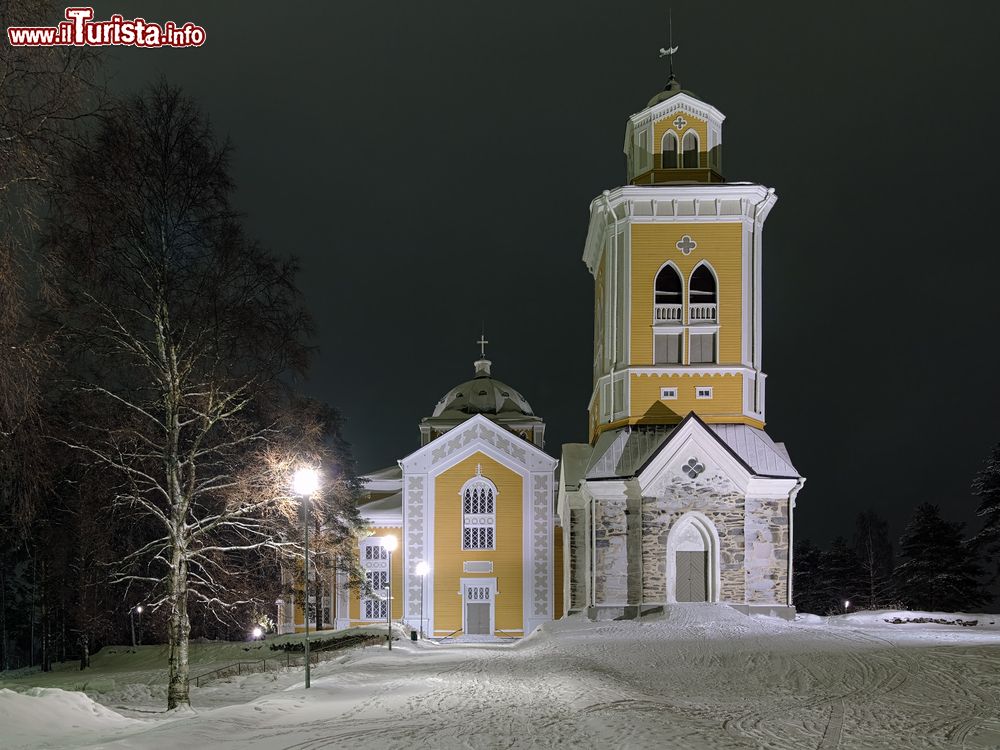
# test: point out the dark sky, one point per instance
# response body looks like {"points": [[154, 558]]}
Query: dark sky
{"points": [[431, 164]]}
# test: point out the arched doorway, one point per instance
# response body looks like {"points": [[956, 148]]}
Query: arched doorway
{"points": [[693, 560]]}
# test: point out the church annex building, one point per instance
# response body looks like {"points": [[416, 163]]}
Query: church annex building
{"points": [[678, 495]]}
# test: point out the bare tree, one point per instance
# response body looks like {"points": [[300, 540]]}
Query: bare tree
{"points": [[184, 329]]}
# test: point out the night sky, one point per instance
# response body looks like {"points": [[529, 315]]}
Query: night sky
{"points": [[432, 164]]}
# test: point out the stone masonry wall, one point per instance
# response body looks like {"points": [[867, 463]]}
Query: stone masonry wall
{"points": [[767, 551], [611, 552], [711, 493]]}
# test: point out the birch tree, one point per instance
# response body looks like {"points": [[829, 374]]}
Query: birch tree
{"points": [[187, 332]]}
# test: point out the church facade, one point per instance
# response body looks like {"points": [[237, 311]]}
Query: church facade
{"points": [[679, 493]]}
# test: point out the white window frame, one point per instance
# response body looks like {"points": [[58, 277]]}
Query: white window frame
{"points": [[374, 564], [703, 392], [477, 521], [668, 394]]}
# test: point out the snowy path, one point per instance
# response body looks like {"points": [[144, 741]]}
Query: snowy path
{"points": [[692, 679]]}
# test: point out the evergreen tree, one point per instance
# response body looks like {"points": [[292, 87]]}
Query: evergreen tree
{"points": [[806, 584], [841, 576], [874, 551], [938, 570], [986, 486]]}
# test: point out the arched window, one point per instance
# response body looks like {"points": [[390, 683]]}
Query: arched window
{"points": [[690, 150], [702, 295], [668, 151], [668, 293], [479, 513]]}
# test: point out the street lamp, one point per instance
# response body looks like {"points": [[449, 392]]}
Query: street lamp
{"points": [[389, 543], [131, 619], [305, 484], [422, 570]]}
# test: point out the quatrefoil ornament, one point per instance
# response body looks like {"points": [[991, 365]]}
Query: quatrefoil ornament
{"points": [[685, 244], [693, 468], [680, 122]]}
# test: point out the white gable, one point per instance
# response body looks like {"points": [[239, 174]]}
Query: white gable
{"points": [[478, 434]]}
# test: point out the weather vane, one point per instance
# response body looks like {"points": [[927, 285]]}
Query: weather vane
{"points": [[670, 50]]}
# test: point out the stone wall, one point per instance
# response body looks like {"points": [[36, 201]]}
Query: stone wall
{"points": [[767, 551], [711, 493], [611, 551]]}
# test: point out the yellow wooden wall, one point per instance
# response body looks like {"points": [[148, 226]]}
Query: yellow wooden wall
{"points": [[695, 123], [395, 574], [725, 405], [449, 555], [721, 244]]}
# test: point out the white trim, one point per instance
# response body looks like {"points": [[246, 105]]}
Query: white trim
{"points": [[703, 392], [668, 393], [486, 519]]}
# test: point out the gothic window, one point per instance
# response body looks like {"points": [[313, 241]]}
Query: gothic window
{"points": [[690, 150], [703, 295], [668, 290], [375, 562], [668, 151], [479, 514]]}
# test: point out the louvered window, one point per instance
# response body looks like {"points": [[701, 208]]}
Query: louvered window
{"points": [[479, 517]]}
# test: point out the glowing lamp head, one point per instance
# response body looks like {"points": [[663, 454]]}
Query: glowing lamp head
{"points": [[390, 543], [847, 603], [306, 481], [257, 632], [139, 609], [422, 569]]}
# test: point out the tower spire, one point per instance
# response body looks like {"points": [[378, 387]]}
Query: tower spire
{"points": [[670, 50]]}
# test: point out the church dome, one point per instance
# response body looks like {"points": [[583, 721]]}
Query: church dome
{"points": [[483, 394]]}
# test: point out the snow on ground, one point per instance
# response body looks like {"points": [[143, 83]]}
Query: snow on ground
{"points": [[699, 676]]}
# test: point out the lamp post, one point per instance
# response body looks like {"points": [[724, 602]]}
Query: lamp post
{"points": [[389, 543], [422, 570], [139, 612], [306, 483]]}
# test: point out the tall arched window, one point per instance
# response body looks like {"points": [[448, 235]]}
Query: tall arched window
{"points": [[690, 150], [703, 294], [668, 299], [668, 151], [702, 308], [479, 513]]}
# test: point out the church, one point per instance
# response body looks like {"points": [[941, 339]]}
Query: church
{"points": [[679, 493]]}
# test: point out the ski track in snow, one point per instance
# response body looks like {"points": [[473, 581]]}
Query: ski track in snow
{"points": [[697, 677]]}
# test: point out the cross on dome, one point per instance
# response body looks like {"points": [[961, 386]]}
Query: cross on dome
{"points": [[482, 345]]}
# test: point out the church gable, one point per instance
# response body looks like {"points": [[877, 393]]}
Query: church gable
{"points": [[478, 433]]}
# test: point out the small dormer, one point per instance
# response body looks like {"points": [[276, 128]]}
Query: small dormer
{"points": [[676, 138]]}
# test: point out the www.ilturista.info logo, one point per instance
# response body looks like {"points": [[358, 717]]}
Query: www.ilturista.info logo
{"points": [[80, 30]]}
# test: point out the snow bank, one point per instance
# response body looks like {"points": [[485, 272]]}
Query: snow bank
{"points": [[47, 714]]}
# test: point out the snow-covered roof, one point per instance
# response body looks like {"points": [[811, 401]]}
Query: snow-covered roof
{"points": [[756, 449], [388, 509], [623, 452], [573, 466]]}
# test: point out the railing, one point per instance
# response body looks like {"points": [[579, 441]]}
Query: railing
{"points": [[703, 312], [289, 659], [666, 313]]}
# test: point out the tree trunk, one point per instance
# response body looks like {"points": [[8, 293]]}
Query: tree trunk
{"points": [[4, 658], [84, 651], [178, 630]]}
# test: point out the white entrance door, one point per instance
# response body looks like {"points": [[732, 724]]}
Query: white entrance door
{"points": [[478, 609]]}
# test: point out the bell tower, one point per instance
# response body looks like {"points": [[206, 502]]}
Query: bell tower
{"points": [[676, 259]]}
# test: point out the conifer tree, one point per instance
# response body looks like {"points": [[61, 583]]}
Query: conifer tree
{"points": [[807, 594], [986, 486], [938, 571], [874, 551]]}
